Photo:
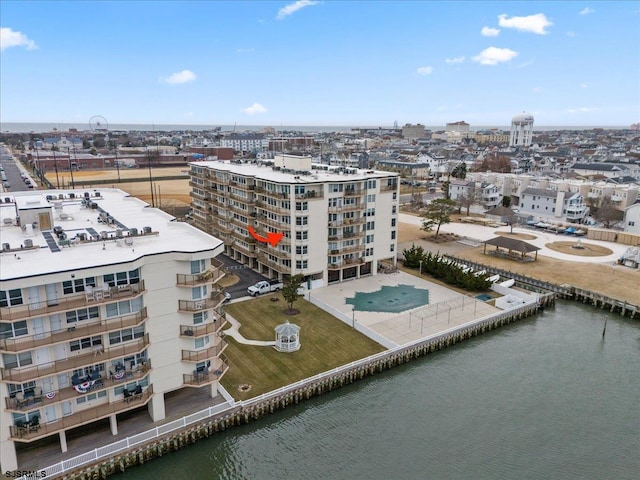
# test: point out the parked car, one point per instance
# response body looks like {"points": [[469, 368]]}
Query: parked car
{"points": [[263, 287]]}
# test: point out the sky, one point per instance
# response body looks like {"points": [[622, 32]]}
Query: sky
{"points": [[306, 62]]}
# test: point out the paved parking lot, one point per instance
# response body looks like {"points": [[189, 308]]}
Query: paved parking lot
{"points": [[247, 277]]}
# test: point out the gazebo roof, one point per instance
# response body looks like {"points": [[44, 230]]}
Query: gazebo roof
{"points": [[512, 244], [287, 329]]}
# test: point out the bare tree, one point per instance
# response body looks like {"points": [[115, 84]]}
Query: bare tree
{"points": [[468, 198], [607, 213]]}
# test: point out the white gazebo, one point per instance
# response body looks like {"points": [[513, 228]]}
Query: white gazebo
{"points": [[287, 337]]}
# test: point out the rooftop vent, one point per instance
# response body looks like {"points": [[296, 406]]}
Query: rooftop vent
{"points": [[28, 243], [6, 246], [146, 229], [133, 232]]}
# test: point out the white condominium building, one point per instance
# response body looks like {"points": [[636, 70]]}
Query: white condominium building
{"points": [[337, 223], [105, 306]]}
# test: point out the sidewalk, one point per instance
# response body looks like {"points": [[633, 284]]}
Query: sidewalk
{"points": [[483, 233]]}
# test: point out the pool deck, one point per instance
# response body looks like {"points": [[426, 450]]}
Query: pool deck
{"points": [[452, 309]]}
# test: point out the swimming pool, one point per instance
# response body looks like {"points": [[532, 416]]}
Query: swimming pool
{"points": [[392, 299]]}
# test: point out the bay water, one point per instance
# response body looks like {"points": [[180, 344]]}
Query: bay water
{"points": [[544, 398]]}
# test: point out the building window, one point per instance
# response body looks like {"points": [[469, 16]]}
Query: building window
{"points": [[14, 361], [84, 343], [198, 266], [200, 317], [198, 292], [78, 285], [11, 297], [199, 343], [122, 278], [393, 222], [301, 264], [395, 195], [393, 234], [302, 249], [17, 387], [123, 308], [13, 329], [371, 183], [392, 248], [302, 206], [302, 221], [371, 197], [91, 397], [303, 235], [83, 314], [126, 335], [393, 210], [369, 239]]}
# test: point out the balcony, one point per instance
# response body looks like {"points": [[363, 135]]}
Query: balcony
{"points": [[310, 195], [214, 301], [68, 393], [354, 192], [83, 417], [78, 330], [352, 249], [346, 208], [345, 264], [211, 275], [218, 368], [275, 265], [389, 188], [204, 329], [97, 355], [273, 223], [204, 354], [249, 251], [47, 307]]}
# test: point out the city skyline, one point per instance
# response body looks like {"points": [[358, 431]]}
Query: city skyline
{"points": [[320, 63]]}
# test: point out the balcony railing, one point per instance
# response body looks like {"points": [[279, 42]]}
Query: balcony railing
{"points": [[277, 266], [97, 355], [68, 393], [214, 301], [248, 251], [353, 192], [218, 368], [211, 275], [77, 331], [310, 195], [74, 302], [346, 208], [389, 188], [83, 417], [345, 264], [205, 354], [204, 329]]}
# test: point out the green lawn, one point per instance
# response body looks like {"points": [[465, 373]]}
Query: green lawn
{"points": [[325, 341]]}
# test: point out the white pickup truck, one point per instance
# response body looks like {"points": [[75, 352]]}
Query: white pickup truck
{"points": [[264, 287]]}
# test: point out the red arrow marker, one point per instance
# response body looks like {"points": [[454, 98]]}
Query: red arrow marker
{"points": [[272, 238]]}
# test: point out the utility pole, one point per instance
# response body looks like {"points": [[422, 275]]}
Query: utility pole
{"points": [[55, 165]]}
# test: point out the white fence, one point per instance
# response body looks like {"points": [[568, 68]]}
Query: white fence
{"points": [[202, 415]]}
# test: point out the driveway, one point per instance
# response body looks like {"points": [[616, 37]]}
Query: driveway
{"points": [[247, 277]]}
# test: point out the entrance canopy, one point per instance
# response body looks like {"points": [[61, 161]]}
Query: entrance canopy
{"points": [[512, 248]]}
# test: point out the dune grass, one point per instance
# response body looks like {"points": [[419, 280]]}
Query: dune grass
{"points": [[326, 343]]}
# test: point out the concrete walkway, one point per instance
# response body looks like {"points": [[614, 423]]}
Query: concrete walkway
{"points": [[237, 336], [483, 233]]}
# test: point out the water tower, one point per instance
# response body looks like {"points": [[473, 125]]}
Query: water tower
{"points": [[521, 130]]}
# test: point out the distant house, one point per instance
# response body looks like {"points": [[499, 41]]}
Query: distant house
{"points": [[550, 205], [632, 219]]}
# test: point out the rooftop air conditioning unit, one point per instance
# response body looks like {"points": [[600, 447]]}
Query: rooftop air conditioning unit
{"points": [[146, 229], [6, 246], [133, 232], [28, 243]]}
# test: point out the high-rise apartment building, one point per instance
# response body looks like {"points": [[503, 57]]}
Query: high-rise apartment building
{"points": [[337, 223], [105, 306]]}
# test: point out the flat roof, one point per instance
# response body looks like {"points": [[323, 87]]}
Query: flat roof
{"points": [[124, 213], [266, 172]]}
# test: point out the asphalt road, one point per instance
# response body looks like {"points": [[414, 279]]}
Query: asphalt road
{"points": [[247, 277], [11, 170]]}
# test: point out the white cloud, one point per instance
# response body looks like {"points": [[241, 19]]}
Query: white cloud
{"points": [[583, 110], [9, 38], [455, 60], [185, 76], [494, 56], [571, 34], [255, 108], [424, 70], [533, 23], [587, 11], [490, 32], [583, 85], [294, 7]]}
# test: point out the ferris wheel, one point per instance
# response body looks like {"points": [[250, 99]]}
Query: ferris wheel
{"points": [[98, 123]]}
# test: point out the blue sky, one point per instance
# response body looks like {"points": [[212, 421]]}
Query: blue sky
{"points": [[320, 62]]}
